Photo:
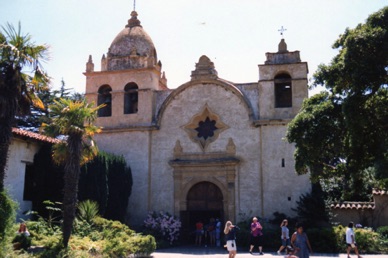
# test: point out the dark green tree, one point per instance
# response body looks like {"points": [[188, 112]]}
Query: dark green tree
{"points": [[120, 188], [311, 208], [107, 180], [343, 133], [39, 116]]}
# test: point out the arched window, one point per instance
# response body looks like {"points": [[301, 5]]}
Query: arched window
{"points": [[283, 91], [105, 97], [130, 98]]}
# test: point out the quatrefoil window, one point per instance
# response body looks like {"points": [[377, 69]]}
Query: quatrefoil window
{"points": [[205, 127]]}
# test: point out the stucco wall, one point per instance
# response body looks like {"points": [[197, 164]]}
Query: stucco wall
{"points": [[134, 146], [20, 154]]}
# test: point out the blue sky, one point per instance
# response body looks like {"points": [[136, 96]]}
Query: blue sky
{"points": [[235, 35]]}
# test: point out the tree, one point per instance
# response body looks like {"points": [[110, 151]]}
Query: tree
{"points": [[17, 89], [37, 116], [344, 132], [74, 120]]}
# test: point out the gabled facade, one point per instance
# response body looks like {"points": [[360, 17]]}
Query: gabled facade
{"points": [[209, 148]]}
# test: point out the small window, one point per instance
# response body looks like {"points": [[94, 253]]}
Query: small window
{"points": [[131, 98], [283, 91], [105, 97]]}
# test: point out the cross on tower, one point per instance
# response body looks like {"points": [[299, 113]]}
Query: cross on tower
{"points": [[282, 30], [134, 5]]}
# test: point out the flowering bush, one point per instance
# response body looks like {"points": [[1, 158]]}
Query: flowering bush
{"points": [[163, 226]]}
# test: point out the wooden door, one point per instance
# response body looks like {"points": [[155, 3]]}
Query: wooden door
{"points": [[205, 196]]}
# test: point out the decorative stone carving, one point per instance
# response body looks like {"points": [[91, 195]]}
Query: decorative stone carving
{"points": [[204, 69], [178, 150], [205, 127], [90, 65], [104, 64], [282, 46], [231, 147]]}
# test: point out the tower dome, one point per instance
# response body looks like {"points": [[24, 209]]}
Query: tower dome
{"points": [[132, 48]]}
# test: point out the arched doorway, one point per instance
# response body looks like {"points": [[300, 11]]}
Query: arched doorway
{"points": [[204, 201], [204, 196]]}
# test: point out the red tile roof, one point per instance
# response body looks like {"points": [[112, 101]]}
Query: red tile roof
{"points": [[379, 192], [354, 205], [34, 136]]}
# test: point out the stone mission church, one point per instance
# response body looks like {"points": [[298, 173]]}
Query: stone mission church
{"points": [[209, 148]]}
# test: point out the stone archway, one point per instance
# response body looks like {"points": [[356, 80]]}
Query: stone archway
{"points": [[205, 201], [217, 169]]}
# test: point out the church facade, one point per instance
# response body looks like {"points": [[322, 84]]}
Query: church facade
{"points": [[209, 148]]}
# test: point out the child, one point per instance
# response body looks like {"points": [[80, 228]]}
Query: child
{"points": [[290, 252]]}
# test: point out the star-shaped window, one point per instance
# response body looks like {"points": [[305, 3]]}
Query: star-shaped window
{"points": [[204, 127]]}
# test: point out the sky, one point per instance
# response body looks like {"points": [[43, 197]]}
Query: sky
{"points": [[234, 34]]}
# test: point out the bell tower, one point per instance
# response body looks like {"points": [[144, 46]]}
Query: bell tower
{"points": [[129, 78], [282, 84]]}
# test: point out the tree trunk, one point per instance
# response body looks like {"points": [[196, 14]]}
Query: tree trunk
{"points": [[5, 141], [71, 178]]}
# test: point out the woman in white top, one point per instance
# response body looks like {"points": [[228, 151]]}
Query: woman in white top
{"points": [[351, 240]]}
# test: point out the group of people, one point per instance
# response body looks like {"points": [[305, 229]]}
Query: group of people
{"points": [[299, 242], [297, 247], [211, 231]]}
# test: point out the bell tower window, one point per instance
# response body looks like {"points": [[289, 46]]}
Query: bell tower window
{"points": [[283, 91], [105, 97], [131, 98]]}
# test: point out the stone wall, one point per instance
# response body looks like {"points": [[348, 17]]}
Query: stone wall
{"points": [[368, 214]]}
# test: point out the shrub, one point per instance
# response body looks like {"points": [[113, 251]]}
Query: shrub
{"points": [[163, 226], [123, 245], [23, 241], [100, 238], [7, 218], [383, 231], [142, 245], [87, 210], [323, 239], [110, 228], [367, 240]]}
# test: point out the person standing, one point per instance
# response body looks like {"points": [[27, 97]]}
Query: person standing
{"points": [[285, 237], [212, 231], [256, 236], [351, 240], [301, 243], [218, 232], [230, 235], [198, 233]]}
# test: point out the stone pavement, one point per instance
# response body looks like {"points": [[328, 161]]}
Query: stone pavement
{"points": [[212, 252]]}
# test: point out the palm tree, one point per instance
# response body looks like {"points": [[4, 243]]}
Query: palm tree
{"points": [[17, 88], [74, 121]]}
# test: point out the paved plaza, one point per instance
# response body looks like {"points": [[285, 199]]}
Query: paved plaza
{"points": [[209, 252]]}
